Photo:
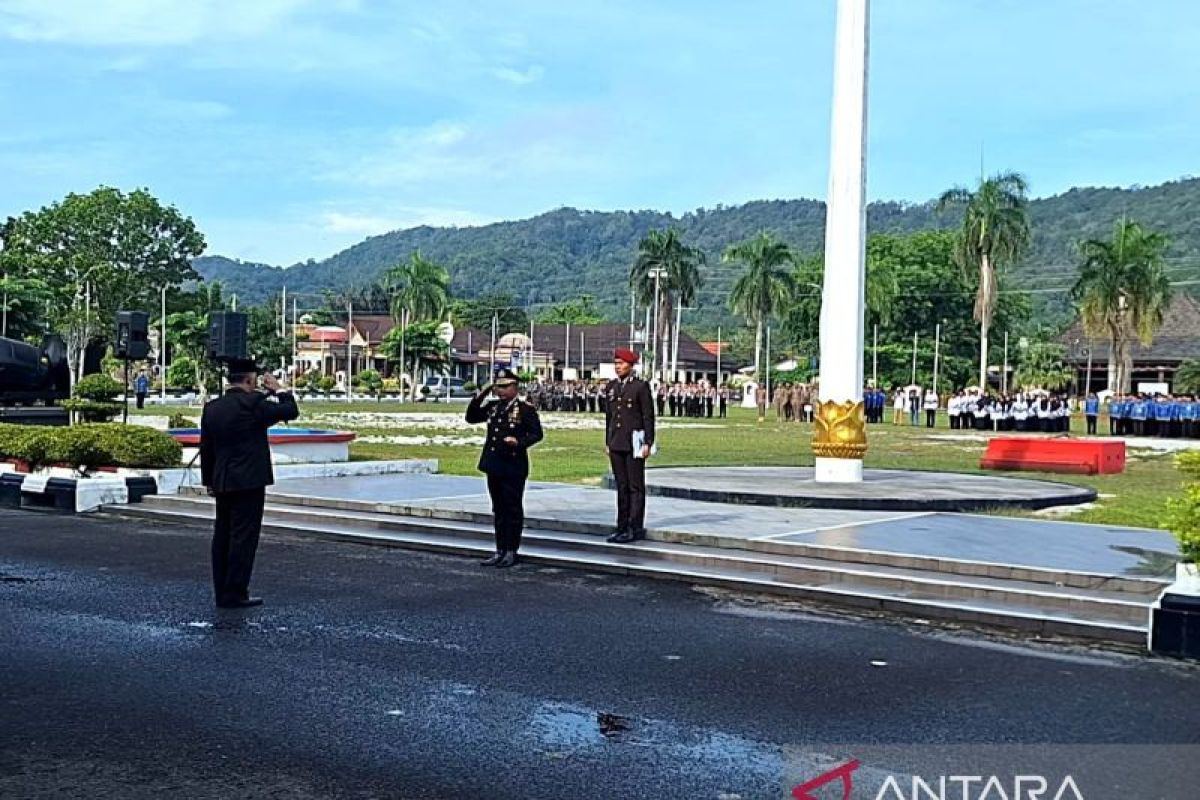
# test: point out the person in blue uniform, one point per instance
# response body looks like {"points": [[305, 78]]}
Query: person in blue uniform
{"points": [[1138, 411], [235, 466], [1116, 410], [513, 426], [1091, 410]]}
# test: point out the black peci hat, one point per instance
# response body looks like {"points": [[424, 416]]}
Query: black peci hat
{"points": [[242, 366]]}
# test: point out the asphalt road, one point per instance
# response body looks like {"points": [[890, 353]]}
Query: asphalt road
{"points": [[384, 673]]}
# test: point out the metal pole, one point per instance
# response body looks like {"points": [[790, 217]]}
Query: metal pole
{"points": [[875, 358], [495, 325], [632, 315], [125, 413], [4, 324], [1004, 374], [283, 314], [1087, 388], [654, 337], [937, 341], [914, 366], [295, 342], [162, 351], [675, 342], [349, 349], [719, 381], [567, 349], [767, 359], [403, 363], [581, 364]]}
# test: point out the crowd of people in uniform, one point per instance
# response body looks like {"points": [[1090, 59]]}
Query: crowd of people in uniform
{"points": [[1148, 415], [1028, 412], [697, 400]]}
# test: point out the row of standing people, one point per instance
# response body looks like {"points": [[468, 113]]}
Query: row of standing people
{"points": [[1148, 415], [696, 400], [1027, 412]]}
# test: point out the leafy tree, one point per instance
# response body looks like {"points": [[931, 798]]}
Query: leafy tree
{"points": [[994, 233], [677, 265], [1043, 366], [1187, 378], [263, 340], [418, 287], [100, 253], [580, 311], [765, 289], [371, 382], [414, 347], [1122, 293], [477, 313]]}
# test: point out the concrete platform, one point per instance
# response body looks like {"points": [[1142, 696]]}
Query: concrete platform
{"points": [[881, 489]]}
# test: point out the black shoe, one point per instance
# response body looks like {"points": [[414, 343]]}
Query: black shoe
{"points": [[493, 561], [244, 602], [509, 560], [618, 531], [624, 537]]}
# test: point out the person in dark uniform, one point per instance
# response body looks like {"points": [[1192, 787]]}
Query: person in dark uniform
{"points": [[235, 466], [630, 412], [513, 427]]}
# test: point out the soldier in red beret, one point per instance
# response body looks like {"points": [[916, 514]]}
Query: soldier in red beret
{"points": [[628, 440]]}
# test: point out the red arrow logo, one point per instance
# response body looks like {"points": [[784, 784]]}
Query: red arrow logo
{"points": [[801, 792]]}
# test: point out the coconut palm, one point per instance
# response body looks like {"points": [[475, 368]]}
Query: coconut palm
{"points": [[1122, 293], [994, 233], [418, 286], [678, 282], [765, 288]]}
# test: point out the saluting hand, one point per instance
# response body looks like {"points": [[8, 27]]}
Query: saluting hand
{"points": [[509, 440], [270, 382]]}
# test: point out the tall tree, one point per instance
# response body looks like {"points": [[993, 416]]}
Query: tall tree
{"points": [[418, 286], [415, 347], [100, 253], [994, 234], [580, 311], [478, 312], [1122, 293], [677, 265], [766, 287]]}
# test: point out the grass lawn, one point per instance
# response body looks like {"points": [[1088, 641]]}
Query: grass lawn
{"points": [[1135, 497]]}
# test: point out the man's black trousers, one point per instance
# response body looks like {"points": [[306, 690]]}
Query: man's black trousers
{"points": [[235, 542], [630, 475], [508, 510], [141, 400]]}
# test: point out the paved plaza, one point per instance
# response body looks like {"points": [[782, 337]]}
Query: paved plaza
{"points": [[1054, 545]]}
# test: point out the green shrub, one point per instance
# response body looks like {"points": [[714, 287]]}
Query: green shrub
{"points": [[1183, 514], [98, 387], [178, 420], [326, 384], [102, 445], [93, 410], [181, 374]]}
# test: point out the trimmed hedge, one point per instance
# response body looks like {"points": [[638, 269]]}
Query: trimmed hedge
{"points": [[89, 446], [1183, 514], [95, 398]]}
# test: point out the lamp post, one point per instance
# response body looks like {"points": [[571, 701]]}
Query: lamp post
{"points": [[657, 273], [162, 351]]}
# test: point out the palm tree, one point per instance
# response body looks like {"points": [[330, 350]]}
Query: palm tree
{"points": [[420, 291], [678, 267], [766, 287], [995, 232], [1122, 293], [418, 286]]}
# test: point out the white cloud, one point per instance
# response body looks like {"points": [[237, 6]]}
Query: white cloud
{"points": [[519, 77], [404, 217], [155, 23]]}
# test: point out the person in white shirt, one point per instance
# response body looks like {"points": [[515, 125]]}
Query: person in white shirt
{"points": [[952, 410], [1020, 413], [899, 404], [931, 407]]}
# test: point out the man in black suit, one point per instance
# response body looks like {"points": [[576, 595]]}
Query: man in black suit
{"points": [[513, 427], [235, 465], [630, 411]]}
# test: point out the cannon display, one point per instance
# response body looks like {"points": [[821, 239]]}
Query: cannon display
{"points": [[32, 380]]}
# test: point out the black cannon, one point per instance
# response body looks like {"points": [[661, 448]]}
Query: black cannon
{"points": [[32, 380]]}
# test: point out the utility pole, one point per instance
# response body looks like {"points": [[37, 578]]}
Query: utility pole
{"points": [[349, 349], [162, 350], [875, 358], [719, 381], [1004, 374], [295, 343], [567, 351], [937, 340]]}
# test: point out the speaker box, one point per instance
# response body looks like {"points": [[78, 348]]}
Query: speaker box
{"points": [[227, 335], [132, 340]]}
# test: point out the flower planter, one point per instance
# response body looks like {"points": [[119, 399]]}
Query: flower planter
{"points": [[57, 489], [1175, 616]]}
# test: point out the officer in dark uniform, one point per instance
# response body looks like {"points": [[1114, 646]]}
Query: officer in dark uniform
{"points": [[513, 428], [630, 409], [235, 465]]}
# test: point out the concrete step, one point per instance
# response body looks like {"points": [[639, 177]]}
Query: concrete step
{"points": [[1031, 608], [843, 555]]}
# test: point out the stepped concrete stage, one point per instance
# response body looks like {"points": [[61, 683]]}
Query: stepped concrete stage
{"points": [[1041, 578], [881, 489]]}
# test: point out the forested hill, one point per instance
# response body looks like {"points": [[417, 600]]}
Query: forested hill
{"points": [[565, 253]]}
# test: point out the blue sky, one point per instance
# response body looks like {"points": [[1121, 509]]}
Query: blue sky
{"points": [[289, 129]]}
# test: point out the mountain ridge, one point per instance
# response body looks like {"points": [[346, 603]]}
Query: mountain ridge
{"points": [[565, 252]]}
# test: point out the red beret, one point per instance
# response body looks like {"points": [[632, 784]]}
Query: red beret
{"points": [[628, 356]]}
